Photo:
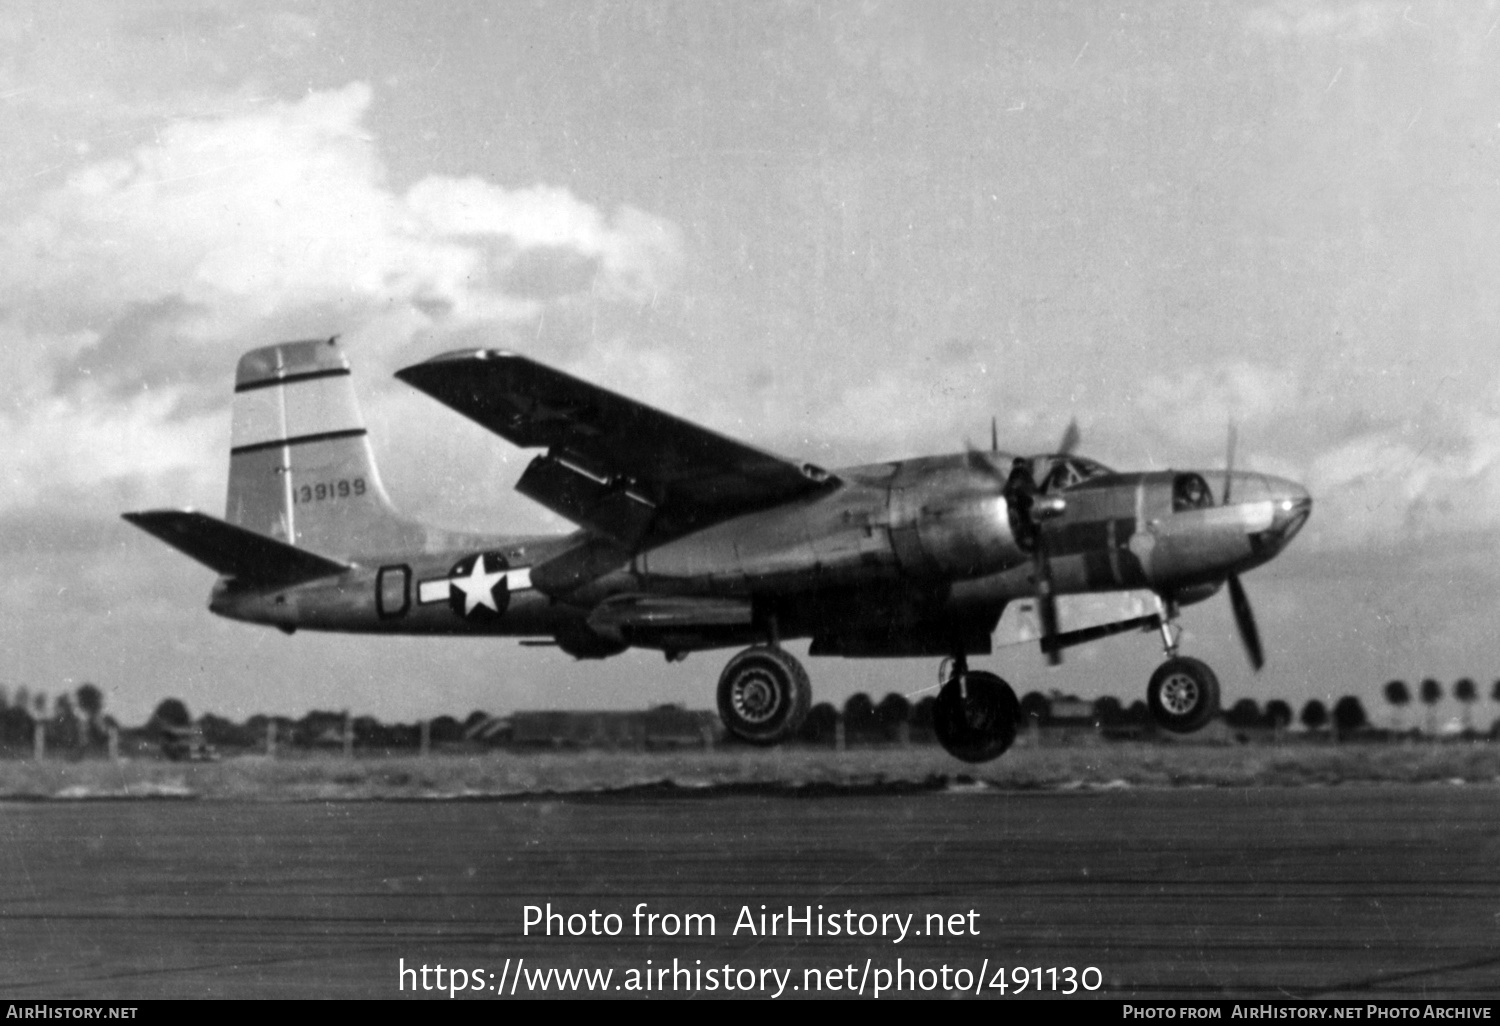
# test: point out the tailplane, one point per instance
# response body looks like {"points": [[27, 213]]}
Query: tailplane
{"points": [[301, 469], [231, 551]]}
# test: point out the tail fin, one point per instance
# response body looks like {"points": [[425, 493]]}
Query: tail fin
{"points": [[234, 551], [300, 464]]}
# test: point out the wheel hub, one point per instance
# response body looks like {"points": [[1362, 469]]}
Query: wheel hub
{"points": [[1179, 694], [755, 698]]}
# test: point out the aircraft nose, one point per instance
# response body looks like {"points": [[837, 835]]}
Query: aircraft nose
{"points": [[1291, 505]]}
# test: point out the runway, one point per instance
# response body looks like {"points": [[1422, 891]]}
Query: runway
{"points": [[1352, 891]]}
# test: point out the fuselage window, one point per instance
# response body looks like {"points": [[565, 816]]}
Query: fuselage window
{"points": [[1190, 491], [392, 591]]}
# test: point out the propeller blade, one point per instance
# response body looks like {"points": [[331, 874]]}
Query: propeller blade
{"points": [[1070, 439], [1229, 462], [982, 462], [1244, 619], [1046, 602], [994, 436]]}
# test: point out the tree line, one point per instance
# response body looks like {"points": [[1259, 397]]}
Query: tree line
{"points": [[76, 719], [1430, 692]]}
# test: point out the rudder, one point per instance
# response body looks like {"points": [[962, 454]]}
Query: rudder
{"points": [[300, 464]]}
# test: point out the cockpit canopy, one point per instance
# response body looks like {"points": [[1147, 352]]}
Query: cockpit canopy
{"points": [[1058, 472]]}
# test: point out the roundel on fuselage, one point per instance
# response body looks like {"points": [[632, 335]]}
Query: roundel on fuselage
{"points": [[477, 587]]}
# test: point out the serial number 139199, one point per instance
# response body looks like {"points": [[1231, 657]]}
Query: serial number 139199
{"points": [[323, 491]]}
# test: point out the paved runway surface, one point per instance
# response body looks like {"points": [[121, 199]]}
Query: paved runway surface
{"points": [[1359, 891]]}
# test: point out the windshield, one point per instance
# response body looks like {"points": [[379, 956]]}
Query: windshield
{"points": [[1067, 471]]}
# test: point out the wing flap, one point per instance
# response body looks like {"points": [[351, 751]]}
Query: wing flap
{"points": [[234, 551], [1081, 618], [688, 475], [586, 500]]}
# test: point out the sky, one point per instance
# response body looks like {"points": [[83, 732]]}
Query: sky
{"points": [[842, 232]]}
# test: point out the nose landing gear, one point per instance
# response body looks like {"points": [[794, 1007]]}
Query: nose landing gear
{"points": [[1183, 695]]}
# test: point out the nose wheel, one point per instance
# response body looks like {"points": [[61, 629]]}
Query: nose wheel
{"points": [[1183, 695]]}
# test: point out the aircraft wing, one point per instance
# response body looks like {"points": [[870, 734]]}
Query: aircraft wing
{"points": [[612, 464]]}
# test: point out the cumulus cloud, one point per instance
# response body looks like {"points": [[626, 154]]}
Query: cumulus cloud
{"points": [[1188, 406], [1409, 482], [1366, 19], [133, 285]]}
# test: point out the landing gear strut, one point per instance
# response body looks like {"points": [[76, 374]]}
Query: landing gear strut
{"points": [[976, 714], [1183, 695], [764, 695]]}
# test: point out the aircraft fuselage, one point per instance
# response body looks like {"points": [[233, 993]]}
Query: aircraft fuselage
{"points": [[901, 543]]}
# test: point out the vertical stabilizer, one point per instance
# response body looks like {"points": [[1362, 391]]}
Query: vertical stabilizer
{"points": [[300, 464]]}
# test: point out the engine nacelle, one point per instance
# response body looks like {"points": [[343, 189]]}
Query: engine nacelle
{"points": [[949, 520]]}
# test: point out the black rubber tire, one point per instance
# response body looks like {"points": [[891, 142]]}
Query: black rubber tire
{"points": [[1183, 695], [975, 719], [764, 695]]}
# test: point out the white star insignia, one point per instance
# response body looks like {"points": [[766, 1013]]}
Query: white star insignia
{"points": [[478, 587]]}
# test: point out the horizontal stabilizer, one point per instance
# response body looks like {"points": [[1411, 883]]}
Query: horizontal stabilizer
{"points": [[234, 551]]}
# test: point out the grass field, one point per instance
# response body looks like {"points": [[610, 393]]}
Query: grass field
{"points": [[498, 773]]}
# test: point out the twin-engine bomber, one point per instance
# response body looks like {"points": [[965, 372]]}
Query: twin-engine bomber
{"points": [[689, 540]]}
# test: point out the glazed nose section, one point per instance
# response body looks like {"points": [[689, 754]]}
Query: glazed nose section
{"points": [[1290, 508], [1270, 511]]}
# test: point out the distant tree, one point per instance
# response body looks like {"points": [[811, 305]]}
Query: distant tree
{"points": [[1278, 715], [4, 702], [1399, 697], [90, 700], [1431, 693], [1244, 714], [1036, 711], [369, 732], [326, 727], [1108, 711], [1495, 692], [1314, 715], [1465, 690], [921, 713], [893, 712], [225, 733], [822, 720], [16, 726], [39, 705], [171, 712], [859, 715], [22, 699], [474, 719], [1139, 714], [63, 730], [445, 729], [1349, 715]]}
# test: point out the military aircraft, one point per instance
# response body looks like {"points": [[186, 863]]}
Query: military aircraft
{"points": [[690, 540]]}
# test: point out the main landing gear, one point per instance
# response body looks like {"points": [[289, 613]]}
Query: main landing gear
{"points": [[1183, 695], [976, 713], [764, 695]]}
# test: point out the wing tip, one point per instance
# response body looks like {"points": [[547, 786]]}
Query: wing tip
{"points": [[455, 356]]}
